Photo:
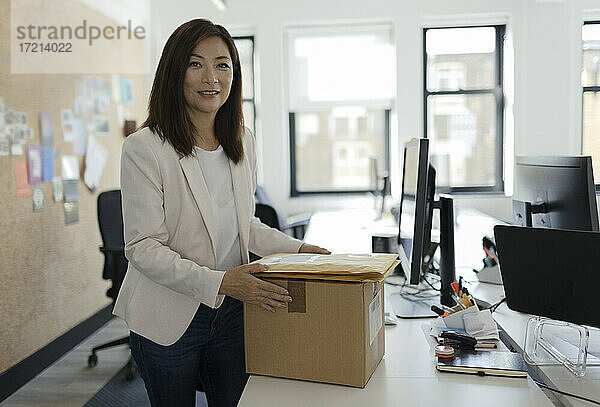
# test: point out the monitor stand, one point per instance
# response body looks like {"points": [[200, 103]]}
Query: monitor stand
{"points": [[417, 308], [421, 308]]}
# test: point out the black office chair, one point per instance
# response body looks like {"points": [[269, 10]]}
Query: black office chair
{"points": [[110, 221], [266, 212]]}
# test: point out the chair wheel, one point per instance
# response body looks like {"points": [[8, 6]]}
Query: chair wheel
{"points": [[92, 360]]}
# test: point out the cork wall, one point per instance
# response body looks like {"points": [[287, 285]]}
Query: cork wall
{"points": [[50, 274]]}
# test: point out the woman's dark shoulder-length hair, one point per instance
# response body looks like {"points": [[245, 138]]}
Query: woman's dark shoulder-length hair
{"points": [[167, 114]]}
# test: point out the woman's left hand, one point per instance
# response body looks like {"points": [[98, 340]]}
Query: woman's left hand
{"points": [[310, 248]]}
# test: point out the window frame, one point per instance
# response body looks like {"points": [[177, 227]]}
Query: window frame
{"points": [[294, 192], [253, 98], [588, 89], [497, 91]]}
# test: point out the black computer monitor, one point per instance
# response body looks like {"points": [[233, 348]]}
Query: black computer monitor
{"points": [[414, 235], [555, 192], [558, 281], [413, 209]]}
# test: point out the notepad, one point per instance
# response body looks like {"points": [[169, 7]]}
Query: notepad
{"points": [[493, 363]]}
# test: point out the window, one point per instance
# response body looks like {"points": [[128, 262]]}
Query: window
{"points": [[245, 47], [590, 79], [341, 84], [464, 106]]}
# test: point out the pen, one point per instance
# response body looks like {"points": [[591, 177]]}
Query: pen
{"points": [[437, 310], [447, 309], [469, 297], [454, 286], [465, 300], [459, 302]]}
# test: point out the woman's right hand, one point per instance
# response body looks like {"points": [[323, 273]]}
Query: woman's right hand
{"points": [[239, 283]]}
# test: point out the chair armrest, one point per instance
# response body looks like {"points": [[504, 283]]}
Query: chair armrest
{"points": [[302, 219], [114, 250], [297, 224]]}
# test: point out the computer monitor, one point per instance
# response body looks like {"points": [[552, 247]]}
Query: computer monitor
{"points": [[559, 281], [413, 205], [414, 235], [555, 192]]}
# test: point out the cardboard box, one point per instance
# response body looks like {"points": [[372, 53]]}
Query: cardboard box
{"points": [[332, 332]]}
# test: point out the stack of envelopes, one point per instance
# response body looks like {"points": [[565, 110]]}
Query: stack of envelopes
{"points": [[341, 267]]}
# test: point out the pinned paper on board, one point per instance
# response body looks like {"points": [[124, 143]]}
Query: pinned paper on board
{"points": [[101, 126], [92, 96], [47, 164], [57, 189], [126, 90], [78, 137], [66, 119], [70, 167], [95, 159], [71, 210], [70, 190], [23, 187], [34, 163], [121, 115], [16, 149], [116, 88], [37, 197], [4, 145], [46, 130]]}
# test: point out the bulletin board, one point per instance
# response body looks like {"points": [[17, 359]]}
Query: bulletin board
{"points": [[51, 273]]}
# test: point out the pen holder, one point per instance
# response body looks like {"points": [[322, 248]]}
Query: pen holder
{"points": [[455, 320], [551, 342]]}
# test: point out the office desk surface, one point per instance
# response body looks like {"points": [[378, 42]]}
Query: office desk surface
{"points": [[407, 374]]}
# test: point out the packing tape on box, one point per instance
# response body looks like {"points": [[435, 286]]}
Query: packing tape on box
{"points": [[297, 290]]}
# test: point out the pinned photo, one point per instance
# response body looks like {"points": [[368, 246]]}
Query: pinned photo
{"points": [[101, 126]]}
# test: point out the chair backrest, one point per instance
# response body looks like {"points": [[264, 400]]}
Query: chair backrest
{"points": [[110, 218], [261, 197], [110, 221], [267, 215]]}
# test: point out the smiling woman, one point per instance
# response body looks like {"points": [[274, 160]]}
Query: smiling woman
{"points": [[187, 184], [207, 84], [172, 121]]}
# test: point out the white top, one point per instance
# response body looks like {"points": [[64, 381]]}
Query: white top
{"points": [[217, 175]]}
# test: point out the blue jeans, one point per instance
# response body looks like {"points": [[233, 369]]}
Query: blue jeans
{"points": [[209, 356]]}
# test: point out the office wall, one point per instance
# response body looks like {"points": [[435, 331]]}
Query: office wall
{"points": [[50, 274], [546, 39]]}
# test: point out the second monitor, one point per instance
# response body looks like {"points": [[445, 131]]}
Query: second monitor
{"points": [[555, 192], [415, 247]]}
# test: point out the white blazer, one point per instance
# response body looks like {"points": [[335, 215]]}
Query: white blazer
{"points": [[169, 235]]}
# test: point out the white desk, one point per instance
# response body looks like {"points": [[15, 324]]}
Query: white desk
{"points": [[405, 377], [407, 374]]}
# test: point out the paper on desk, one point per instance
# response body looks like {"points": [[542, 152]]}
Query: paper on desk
{"points": [[478, 324], [481, 325]]}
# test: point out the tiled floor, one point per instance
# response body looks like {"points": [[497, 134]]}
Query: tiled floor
{"points": [[69, 381]]}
